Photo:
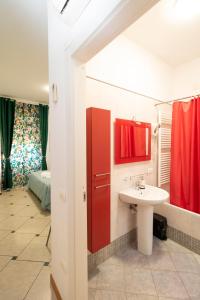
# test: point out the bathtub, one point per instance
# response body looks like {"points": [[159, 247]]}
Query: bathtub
{"points": [[181, 219]]}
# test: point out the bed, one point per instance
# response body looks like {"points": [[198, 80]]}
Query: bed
{"points": [[39, 184]]}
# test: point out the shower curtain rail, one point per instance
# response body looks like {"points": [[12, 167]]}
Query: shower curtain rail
{"points": [[178, 99], [125, 89], [160, 102]]}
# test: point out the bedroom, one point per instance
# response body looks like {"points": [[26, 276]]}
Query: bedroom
{"points": [[25, 155]]}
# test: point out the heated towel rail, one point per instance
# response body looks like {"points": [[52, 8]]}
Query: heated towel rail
{"points": [[164, 148]]}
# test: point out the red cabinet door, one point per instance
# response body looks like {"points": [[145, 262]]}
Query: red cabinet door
{"points": [[98, 178], [100, 141], [100, 217]]}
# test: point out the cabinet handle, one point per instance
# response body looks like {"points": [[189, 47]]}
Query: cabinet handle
{"points": [[101, 186], [102, 174]]}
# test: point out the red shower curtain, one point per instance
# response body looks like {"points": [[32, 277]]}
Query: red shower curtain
{"points": [[185, 155]]}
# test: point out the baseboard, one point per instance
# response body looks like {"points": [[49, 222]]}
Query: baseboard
{"points": [[100, 256], [183, 239], [55, 288]]}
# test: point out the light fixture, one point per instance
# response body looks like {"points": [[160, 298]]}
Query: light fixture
{"points": [[183, 10]]}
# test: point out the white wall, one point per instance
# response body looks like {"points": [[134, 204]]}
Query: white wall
{"points": [[62, 243], [186, 79], [126, 64]]}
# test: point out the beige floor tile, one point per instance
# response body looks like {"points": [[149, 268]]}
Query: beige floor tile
{"points": [[11, 197], [161, 260], [4, 233], [174, 247], [28, 211], [159, 245], [110, 277], [7, 194], [41, 287], [185, 262], [91, 294], [43, 215], [3, 261], [192, 284], [17, 195], [45, 232], [21, 200], [11, 208], [131, 258], [197, 257], [4, 216], [140, 297], [26, 202], [34, 226], [16, 279], [140, 282], [13, 222], [14, 243], [113, 260], [169, 284], [164, 298], [23, 274], [33, 199], [31, 195], [92, 279], [36, 250], [109, 295]]}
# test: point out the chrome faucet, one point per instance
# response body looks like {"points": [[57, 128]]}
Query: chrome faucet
{"points": [[139, 181]]}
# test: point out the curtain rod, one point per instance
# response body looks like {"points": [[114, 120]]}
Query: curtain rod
{"points": [[178, 99], [23, 100], [127, 90], [143, 95]]}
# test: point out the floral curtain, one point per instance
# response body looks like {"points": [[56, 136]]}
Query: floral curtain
{"points": [[26, 148]]}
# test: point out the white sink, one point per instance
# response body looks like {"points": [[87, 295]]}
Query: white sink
{"points": [[151, 195], [145, 200]]}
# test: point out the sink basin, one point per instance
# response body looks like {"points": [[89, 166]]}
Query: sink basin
{"points": [[151, 195], [145, 200]]}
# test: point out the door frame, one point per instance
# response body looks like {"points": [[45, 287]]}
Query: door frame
{"points": [[119, 14]]}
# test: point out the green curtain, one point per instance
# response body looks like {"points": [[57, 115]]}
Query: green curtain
{"points": [[43, 116], [7, 116]]}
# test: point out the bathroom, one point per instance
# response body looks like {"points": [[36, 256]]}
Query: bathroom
{"points": [[132, 78]]}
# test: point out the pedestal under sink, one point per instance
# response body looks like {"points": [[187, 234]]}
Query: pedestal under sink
{"points": [[145, 200]]}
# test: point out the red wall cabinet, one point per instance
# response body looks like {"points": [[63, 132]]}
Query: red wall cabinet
{"points": [[98, 178], [132, 141]]}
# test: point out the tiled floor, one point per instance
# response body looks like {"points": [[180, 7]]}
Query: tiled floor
{"points": [[172, 272], [24, 257]]}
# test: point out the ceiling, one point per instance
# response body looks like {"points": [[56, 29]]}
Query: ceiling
{"points": [[23, 49], [170, 31]]}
